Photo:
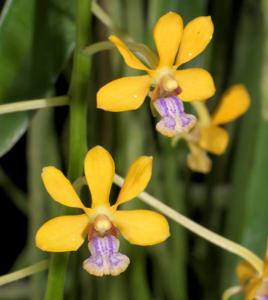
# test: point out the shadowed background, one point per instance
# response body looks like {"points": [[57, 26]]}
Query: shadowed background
{"points": [[36, 47]]}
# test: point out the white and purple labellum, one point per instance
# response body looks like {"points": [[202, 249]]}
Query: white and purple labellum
{"points": [[174, 120], [105, 258]]}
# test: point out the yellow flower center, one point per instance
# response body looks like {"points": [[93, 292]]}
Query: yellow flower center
{"points": [[160, 74], [169, 84], [102, 224], [164, 83]]}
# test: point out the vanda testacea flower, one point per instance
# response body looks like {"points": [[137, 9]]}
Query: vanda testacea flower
{"points": [[207, 135], [253, 285], [166, 86], [102, 223]]}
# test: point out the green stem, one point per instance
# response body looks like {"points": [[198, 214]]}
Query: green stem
{"points": [[33, 104], [38, 267], [203, 113], [78, 134], [102, 15], [98, 47], [203, 232], [79, 92]]}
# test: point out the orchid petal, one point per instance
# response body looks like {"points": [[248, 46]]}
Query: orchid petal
{"points": [[142, 227]]}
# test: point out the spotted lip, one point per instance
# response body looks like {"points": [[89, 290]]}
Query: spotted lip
{"points": [[173, 118], [105, 258]]}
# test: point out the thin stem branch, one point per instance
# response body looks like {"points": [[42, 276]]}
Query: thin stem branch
{"points": [[203, 113], [231, 292], [28, 271], [203, 232], [102, 15], [33, 104], [98, 47]]}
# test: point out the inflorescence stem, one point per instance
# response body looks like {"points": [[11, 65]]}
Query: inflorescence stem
{"points": [[203, 232], [28, 271], [203, 113], [33, 104]]}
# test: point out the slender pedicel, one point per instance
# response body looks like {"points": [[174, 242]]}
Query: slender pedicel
{"points": [[25, 272], [33, 104], [205, 233]]}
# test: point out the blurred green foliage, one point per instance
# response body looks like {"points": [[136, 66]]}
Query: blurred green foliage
{"points": [[37, 40]]}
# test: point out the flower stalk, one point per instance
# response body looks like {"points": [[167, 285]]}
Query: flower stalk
{"points": [[202, 112], [33, 104], [28, 271], [102, 15], [203, 232]]}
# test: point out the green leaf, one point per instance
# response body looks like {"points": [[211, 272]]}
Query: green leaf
{"points": [[38, 39], [12, 127]]}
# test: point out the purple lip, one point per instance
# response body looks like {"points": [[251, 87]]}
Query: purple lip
{"points": [[105, 258], [174, 120]]}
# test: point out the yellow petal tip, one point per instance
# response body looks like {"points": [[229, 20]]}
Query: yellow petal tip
{"points": [[138, 177], [196, 36], [99, 172], [170, 24], [234, 103], [214, 139], [149, 158], [112, 38], [172, 13], [98, 147], [44, 169]]}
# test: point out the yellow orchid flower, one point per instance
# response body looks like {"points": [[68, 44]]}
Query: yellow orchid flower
{"points": [[101, 223], [208, 136], [166, 86], [253, 285]]}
